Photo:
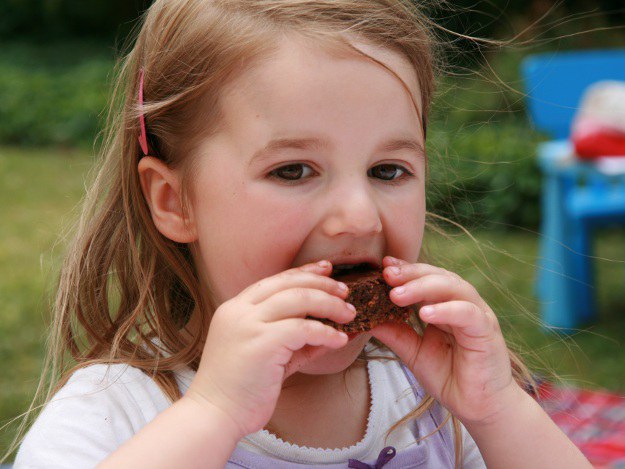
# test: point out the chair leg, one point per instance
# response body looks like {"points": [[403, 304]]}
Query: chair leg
{"points": [[582, 272], [551, 288], [563, 276]]}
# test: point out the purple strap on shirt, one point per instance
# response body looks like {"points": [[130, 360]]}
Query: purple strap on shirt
{"points": [[385, 456]]}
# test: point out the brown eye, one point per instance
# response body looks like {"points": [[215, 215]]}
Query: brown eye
{"points": [[387, 172], [292, 172]]}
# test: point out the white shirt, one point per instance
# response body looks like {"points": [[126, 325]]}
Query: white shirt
{"points": [[102, 406]]}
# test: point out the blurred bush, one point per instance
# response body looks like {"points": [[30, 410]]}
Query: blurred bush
{"points": [[61, 19], [485, 175], [52, 95], [110, 19], [481, 148]]}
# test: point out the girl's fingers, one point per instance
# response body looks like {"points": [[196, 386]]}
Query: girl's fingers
{"points": [[302, 302], [389, 260], [401, 273], [434, 288], [295, 333], [466, 320], [305, 340], [307, 276], [299, 359]]}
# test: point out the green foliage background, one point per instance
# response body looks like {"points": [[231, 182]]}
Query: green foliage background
{"points": [[62, 19], [52, 95]]}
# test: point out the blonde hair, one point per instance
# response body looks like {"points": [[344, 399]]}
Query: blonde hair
{"points": [[123, 283]]}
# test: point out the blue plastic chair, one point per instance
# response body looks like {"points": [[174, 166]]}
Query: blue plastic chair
{"points": [[576, 197]]}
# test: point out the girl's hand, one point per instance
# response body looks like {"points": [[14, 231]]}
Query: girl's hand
{"points": [[260, 337], [461, 359]]}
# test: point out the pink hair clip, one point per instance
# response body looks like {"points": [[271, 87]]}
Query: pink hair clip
{"points": [[143, 138]]}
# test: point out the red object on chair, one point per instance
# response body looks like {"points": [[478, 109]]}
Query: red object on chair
{"points": [[592, 140], [599, 125]]}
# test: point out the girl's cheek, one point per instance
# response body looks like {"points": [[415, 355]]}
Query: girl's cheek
{"points": [[404, 224]]}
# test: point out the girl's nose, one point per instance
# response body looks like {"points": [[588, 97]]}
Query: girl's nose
{"points": [[352, 212]]}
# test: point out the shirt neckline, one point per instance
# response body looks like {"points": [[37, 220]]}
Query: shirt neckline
{"points": [[269, 443]]}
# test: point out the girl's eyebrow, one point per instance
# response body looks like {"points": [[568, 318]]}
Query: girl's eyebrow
{"points": [[316, 144], [311, 143], [405, 143]]}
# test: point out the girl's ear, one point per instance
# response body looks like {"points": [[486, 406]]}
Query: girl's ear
{"points": [[161, 189]]}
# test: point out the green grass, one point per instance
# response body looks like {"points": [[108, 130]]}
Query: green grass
{"points": [[40, 189]]}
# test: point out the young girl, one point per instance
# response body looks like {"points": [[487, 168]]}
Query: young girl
{"points": [[260, 144]]}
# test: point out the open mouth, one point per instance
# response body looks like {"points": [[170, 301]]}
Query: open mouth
{"points": [[341, 270]]}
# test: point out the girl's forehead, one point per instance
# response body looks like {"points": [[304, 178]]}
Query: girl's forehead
{"points": [[294, 56], [301, 96], [396, 64]]}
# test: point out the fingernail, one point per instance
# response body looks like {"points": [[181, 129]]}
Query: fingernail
{"points": [[323, 264], [427, 312], [395, 270], [399, 290], [351, 306], [393, 260], [342, 286]]}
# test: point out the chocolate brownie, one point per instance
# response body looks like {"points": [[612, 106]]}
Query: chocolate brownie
{"points": [[368, 292]]}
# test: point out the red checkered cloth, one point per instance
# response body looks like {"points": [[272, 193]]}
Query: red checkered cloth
{"points": [[593, 420]]}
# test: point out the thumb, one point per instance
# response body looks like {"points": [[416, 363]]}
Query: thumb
{"points": [[301, 357], [401, 339]]}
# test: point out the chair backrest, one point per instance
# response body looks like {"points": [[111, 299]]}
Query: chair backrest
{"points": [[555, 82]]}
